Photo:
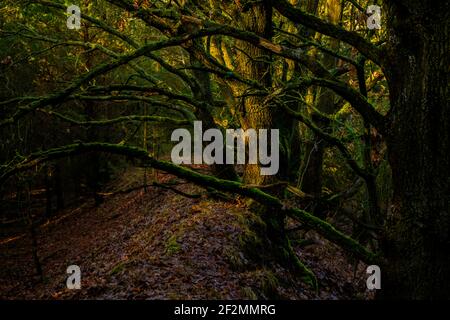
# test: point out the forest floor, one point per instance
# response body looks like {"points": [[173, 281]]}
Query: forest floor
{"points": [[157, 244]]}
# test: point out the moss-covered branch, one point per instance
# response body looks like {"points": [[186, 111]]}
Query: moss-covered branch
{"points": [[103, 25], [322, 227], [311, 21], [331, 140], [108, 122], [167, 92], [210, 28], [99, 70], [357, 101], [323, 77], [306, 42]]}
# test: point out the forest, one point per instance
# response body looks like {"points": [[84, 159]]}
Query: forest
{"points": [[225, 149]]}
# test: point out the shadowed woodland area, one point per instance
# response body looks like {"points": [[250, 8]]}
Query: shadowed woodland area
{"points": [[86, 176]]}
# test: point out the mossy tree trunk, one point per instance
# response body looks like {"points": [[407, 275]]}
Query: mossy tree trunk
{"points": [[255, 64], [417, 239]]}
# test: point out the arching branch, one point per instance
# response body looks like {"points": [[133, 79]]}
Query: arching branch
{"points": [[310, 221]]}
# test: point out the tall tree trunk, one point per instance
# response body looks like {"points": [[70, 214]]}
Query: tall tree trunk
{"points": [[254, 63], [417, 237]]}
